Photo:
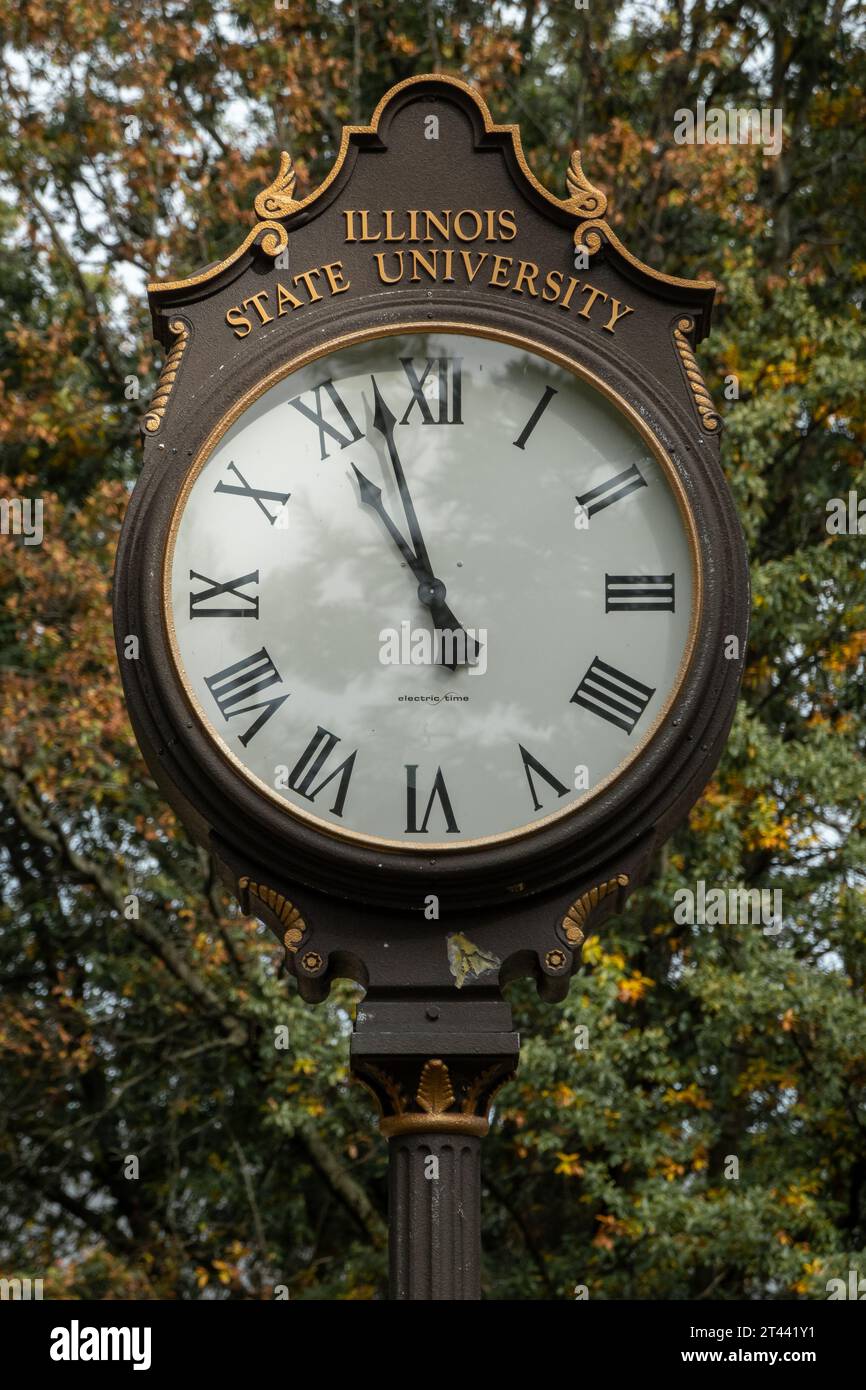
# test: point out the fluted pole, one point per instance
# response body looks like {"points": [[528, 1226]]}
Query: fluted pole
{"points": [[434, 1202]]}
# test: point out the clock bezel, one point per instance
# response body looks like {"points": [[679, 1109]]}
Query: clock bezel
{"points": [[357, 337]]}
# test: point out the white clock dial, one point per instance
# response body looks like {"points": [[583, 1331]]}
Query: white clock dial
{"points": [[431, 589]]}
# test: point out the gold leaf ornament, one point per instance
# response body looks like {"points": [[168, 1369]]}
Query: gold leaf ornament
{"points": [[289, 916], [435, 1094], [575, 918]]}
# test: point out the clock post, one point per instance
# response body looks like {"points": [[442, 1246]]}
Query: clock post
{"points": [[386, 675], [433, 1066]]}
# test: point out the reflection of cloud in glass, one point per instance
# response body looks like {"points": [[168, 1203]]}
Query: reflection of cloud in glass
{"points": [[499, 525]]}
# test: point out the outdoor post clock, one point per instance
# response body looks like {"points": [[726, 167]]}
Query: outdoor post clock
{"points": [[435, 577]]}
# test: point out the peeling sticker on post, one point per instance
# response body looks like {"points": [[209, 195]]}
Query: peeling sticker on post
{"points": [[465, 958]]}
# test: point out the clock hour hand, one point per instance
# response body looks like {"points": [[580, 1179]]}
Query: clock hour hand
{"points": [[462, 648], [431, 591], [371, 496]]}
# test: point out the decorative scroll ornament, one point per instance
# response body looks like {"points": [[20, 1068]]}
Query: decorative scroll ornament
{"points": [[709, 416], [288, 914], [575, 918], [277, 200], [444, 1105], [170, 368], [588, 202], [386, 1088], [485, 1085]]}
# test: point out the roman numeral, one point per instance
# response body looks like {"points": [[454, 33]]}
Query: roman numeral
{"points": [[639, 593], [549, 393], [316, 414], [259, 495], [311, 763], [449, 390], [234, 687], [617, 487], [198, 600], [531, 765], [612, 695], [440, 790]]}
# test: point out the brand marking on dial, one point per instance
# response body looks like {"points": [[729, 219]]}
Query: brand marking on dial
{"points": [[643, 593], [613, 490], [235, 685], [612, 695]]}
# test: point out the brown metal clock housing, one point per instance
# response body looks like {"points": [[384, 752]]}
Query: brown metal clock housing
{"points": [[519, 905]]}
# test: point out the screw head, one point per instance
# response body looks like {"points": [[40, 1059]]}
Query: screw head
{"points": [[555, 960], [311, 961]]}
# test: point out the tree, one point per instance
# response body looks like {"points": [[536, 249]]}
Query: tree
{"points": [[158, 1138]]}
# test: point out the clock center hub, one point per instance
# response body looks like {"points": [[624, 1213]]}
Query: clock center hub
{"points": [[431, 592]]}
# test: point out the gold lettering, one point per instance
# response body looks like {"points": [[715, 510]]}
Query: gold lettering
{"points": [[334, 275], [509, 226], [379, 257], [262, 313], [307, 277], [239, 321], [365, 230], [594, 294], [617, 312], [526, 270], [468, 212], [553, 281], [285, 297], [467, 258], [389, 230], [350, 225], [413, 224], [443, 228], [448, 256], [499, 268], [242, 324], [572, 286], [418, 258]]}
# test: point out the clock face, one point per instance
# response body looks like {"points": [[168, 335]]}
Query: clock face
{"points": [[431, 589]]}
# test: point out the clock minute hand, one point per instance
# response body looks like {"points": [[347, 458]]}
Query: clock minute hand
{"points": [[384, 421], [432, 595]]}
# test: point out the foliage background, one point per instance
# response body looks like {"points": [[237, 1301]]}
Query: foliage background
{"points": [[134, 135]]}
